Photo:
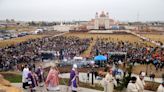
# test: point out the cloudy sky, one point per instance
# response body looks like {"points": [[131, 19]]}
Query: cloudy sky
{"points": [[68, 10]]}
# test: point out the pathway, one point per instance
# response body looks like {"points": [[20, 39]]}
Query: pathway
{"points": [[83, 78], [62, 89], [145, 38], [87, 52]]}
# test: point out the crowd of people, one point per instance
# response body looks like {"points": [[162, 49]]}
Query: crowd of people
{"points": [[68, 47], [135, 52], [30, 51]]}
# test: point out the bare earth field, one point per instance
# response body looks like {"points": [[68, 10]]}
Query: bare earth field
{"points": [[150, 68], [155, 37], [112, 37]]}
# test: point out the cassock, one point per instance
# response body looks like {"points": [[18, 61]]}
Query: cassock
{"points": [[73, 80], [132, 87], [108, 83], [141, 84], [160, 88]]}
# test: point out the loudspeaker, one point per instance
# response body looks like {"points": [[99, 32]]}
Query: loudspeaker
{"points": [[61, 54], [97, 52]]}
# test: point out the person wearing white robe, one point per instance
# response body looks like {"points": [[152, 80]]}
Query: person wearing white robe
{"points": [[132, 86], [140, 82], [25, 76], [109, 81], [161, 88]]}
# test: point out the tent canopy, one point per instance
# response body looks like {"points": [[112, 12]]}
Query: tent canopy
{"points": [[100, 58], [118, 53]]}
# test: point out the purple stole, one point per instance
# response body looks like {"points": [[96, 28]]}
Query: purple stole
{"points": [[33, 79], [40, 76]]}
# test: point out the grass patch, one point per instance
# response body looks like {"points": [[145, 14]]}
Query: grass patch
{"points": [[13, 78]]}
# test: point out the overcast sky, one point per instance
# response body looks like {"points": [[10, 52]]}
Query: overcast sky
{"points": [[68, 10]]}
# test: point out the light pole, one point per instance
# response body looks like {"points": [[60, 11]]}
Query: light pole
{"points": [[147, 61], [92, 76]]}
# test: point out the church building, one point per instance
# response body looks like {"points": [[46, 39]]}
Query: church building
{"points": [[101, 22]]}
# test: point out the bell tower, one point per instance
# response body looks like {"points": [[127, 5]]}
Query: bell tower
{"points": [[96, 22], [107, 21]]}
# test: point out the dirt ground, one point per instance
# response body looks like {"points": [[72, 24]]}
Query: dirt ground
{"points": [[5, 86], [155, 37], [112, 37], [150, 68]]}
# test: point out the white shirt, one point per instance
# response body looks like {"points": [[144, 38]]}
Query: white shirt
{"points": [[25, 74], [132, 87], [140, 83]]}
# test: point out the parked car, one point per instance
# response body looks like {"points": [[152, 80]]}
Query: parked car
{"points": [[14, 36], [23, 34], [6, 36], [1, 38]]}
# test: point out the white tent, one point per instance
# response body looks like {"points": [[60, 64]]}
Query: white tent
{"points": [[78, 58]]}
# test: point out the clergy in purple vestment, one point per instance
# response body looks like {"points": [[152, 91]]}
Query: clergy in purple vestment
{"points": [[73, 81], [32, 79], [39, 73]]}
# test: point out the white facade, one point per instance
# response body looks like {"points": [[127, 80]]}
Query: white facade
{"points": [[96, 24], [102, 21], [62, 28]]}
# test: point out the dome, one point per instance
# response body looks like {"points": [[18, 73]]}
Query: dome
{"points": [[96, 13], [102, 14]]}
